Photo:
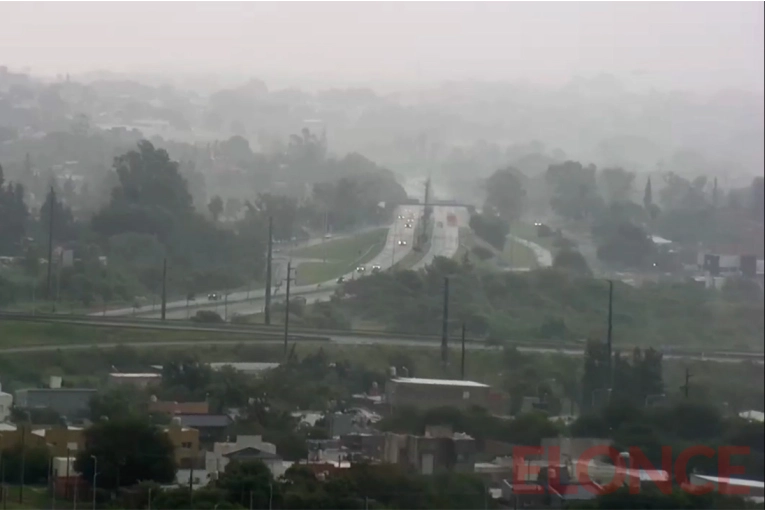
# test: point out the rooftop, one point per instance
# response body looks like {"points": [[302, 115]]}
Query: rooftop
{"points": [[440, 382], [135, 375], [738, 482], [245, 366], [204, 420]]}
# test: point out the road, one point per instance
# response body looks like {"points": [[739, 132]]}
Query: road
{"points": [[244, 303], [445, 240], [543, 255]]}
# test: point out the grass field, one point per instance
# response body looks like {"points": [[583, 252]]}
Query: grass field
{"points": [[22, 333], [347, 248], [515, 255], [343, 255], [528, 232]]}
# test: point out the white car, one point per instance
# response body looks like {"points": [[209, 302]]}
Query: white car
{"points": [[402, 243], [376, 268], [408, 225], [361, 269]]}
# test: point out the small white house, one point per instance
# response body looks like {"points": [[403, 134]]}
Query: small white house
{"points": [[6, 402]]}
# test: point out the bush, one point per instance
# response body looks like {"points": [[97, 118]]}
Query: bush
{"points": [[482, 253], [491, 229], [207, 316]]}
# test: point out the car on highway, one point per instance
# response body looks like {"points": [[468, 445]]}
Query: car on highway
{"points": [[376, 268], [341, 279], [401, 216], [327, 236], [361, 269], [402, 243], [408, 224], [213, 296]]}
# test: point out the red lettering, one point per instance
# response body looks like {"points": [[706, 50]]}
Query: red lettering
{"points": [[725, 470], [522, 471], [583, 464], [681, 467], [639, 461]]}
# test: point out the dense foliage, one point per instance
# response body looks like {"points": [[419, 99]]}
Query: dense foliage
{"points": [[553, 306]]}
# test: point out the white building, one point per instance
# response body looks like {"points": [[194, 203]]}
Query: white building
{"points": [[245, 448], [6, 402]]}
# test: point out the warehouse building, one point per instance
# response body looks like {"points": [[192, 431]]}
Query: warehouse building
{"points": [[431, 393]]}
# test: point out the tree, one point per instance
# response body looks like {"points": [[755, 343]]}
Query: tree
{"points": [[187, 372], [14, 214], [491, 229], [505, 194], [118, 403], [648, 195], [249, 484], [574, 190], [572, 261], [127, 451], [215, 207], [148, 177], [626, 245], [617, 184]]}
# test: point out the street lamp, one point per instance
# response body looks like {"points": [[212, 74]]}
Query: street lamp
{"points": [[95, 475]]}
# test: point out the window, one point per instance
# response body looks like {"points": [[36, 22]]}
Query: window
{"points": [[186, 444]]}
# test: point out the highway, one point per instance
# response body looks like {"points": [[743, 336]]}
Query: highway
{"points": [[243, 303]]}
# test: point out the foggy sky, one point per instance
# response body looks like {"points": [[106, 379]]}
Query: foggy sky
{"points": [[689, 45]]}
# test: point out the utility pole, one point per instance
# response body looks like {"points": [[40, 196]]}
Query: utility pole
{"points": [[687, 386], [51, 207], [269, 261], [287, 309], [462, 362], [609, 337], [445, 325], [164, 287]]}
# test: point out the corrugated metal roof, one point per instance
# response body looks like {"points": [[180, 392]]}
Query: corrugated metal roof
{"points": [[439, 382], [738, 482]]}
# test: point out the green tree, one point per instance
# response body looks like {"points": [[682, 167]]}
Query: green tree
{"points": [[572, 261], [126, 451], [249, 484], [574, 190], [617, 184], [118, 403], [505, 194], [215, 207]]}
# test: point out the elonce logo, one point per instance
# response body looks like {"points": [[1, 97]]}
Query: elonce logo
{"points": [[639, 470]]}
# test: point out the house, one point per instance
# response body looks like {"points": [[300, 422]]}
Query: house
{"points": [[211, 427], [248, 448], [186, 444], [439, 450], [173, 408], [432, 393], [6, 402], [71, 403], [247, 368], [752, 490], [139, 380], [62, 441]]}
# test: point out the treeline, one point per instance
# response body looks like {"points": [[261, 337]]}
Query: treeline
{"points": [[689, 212], [552, 306], [150, 216]]}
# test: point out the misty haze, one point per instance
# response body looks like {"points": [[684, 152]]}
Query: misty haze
{"points": [[353, 255]]}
